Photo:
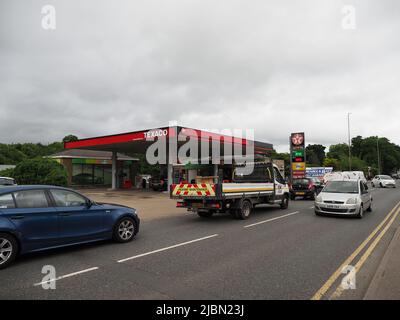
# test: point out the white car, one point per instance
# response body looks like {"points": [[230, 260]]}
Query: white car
{"points": [[383, 181], [344, 197], [6, 182]]}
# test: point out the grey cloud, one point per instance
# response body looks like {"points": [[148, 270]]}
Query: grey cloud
{"points": [[275, 66]]}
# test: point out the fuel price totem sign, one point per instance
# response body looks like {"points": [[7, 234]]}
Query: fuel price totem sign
{"points": [[297, 155]]}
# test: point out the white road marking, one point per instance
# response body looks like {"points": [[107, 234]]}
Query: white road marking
{"points": [[167, 248], [66, 276], [311, 207], [269, 220]]}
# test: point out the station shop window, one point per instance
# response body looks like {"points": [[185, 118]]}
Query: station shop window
{"points": [[91, 174]]}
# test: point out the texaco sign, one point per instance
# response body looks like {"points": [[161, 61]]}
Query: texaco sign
{"points": [[297, 139]]}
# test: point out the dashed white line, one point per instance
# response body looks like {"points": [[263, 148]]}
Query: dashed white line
{"points": [[269, 220], [167, 248], [66, 276], [311, 207]]}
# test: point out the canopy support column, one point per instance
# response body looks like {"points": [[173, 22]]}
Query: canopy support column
{"points": [[114, 170]]}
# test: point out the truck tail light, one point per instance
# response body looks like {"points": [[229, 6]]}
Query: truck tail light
{"points": [[181, 204], [216, 205]]}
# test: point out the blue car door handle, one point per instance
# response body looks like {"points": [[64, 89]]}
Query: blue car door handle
{"points": [[64, 214], [17, 217]]}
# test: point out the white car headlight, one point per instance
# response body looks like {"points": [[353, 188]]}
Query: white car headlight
{"points": [[318, 199], [352, 201]]}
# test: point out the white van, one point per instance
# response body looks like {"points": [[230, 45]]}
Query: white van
{"points": [[344, 175], [336, 175], [356, 175]]}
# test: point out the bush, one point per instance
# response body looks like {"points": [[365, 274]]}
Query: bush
{"points": [[40, 171], [9, 173]]}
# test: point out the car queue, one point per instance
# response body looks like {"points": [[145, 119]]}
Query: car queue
{"points": [[36, 218]]}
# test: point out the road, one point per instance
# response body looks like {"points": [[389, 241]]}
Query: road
{"points": [[275, 254]]}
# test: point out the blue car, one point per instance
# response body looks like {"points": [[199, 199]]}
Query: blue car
{"points": [[35, 218]]}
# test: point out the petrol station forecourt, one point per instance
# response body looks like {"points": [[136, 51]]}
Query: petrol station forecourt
{"points": [[140, 141]]}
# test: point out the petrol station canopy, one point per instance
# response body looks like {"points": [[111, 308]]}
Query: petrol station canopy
{"points": [[137, 141]]}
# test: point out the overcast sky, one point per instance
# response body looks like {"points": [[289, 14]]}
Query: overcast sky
{"points": [[274, 66]]}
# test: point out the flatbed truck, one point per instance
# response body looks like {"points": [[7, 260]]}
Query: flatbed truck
{"points": [[265, 185]]}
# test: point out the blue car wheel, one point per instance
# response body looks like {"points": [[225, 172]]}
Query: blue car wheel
{"points": [[124, 230], [8, 249]]}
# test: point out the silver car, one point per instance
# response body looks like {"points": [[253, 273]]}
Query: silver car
{"points": [[344, 197], [7, 182]]}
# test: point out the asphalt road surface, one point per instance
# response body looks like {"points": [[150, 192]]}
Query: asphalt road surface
{"points": [[275, 254]]}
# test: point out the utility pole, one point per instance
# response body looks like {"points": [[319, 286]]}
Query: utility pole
{"points": [[379, 157], [348, 130]]}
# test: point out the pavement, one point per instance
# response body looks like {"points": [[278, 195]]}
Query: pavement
{"points": [[150, 204], [386, 283], [275, 254]]}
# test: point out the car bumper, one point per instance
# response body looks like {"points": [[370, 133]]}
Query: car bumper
{"points": [[387, 185], [302, 193], [340, 209], [137, 221]]}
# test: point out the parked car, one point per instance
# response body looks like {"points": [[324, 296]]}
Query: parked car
{"points": [[5, 182], [383, 181], [36, 218], [318, 183], [344, 197], [308, 188], [158, 184]]}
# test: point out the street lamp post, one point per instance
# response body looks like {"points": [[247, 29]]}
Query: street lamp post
{"points": [[348, 130], [379, 157]]}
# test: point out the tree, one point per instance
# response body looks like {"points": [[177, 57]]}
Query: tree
{"points": [[337, 151], [357, 146], [10, 155], [143, 167], [40, 171], [356, 164], [70, 138], [315, 154], [285, 156], [331, 162], [15, 153], [365, 154]]}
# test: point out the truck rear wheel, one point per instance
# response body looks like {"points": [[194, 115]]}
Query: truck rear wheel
{"points": [[205, 213], [245, 210]]}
